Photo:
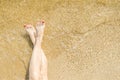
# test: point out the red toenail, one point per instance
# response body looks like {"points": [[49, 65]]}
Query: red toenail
{"points": [[43, 22], [24, 25]]}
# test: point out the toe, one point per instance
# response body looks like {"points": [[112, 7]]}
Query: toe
{"points": [[38, 23], [25, 25], [28, 26], [42, 22]]}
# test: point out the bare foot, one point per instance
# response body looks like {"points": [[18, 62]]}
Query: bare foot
{"points": [[40, 28], [31, 31]]}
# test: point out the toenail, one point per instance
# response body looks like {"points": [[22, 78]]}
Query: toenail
{"points": [[42, 22], [25, 25]]}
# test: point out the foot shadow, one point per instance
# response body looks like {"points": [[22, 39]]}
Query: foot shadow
{"points": [[27, 38], [27, 73]]}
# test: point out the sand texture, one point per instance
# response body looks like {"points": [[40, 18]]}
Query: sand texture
{"points": [[81, 40]]}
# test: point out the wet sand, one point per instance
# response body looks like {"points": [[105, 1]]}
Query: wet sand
{"points": [[81, 41]]}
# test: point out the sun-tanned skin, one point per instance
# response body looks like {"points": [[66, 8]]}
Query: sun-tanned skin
{"points": [[38, 62]]}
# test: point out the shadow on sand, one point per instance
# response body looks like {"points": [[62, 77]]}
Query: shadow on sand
{"points": [[27, 38]]}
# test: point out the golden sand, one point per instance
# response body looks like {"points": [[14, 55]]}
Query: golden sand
{"points": [[81, 41]]}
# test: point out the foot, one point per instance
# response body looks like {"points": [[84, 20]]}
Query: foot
{"points": [[31, 31], [40, 30]]}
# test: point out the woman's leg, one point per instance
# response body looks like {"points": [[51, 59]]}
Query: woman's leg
{"points": [[38, 62]]}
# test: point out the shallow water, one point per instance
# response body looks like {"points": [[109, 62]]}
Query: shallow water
{"points": [[81, 41]]}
